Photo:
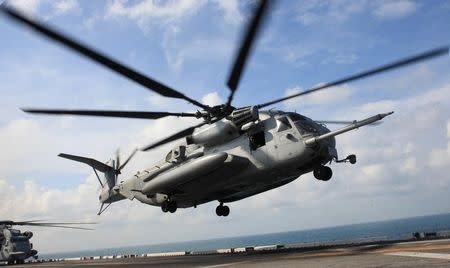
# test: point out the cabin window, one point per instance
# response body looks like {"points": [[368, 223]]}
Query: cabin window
{"points": [[257, 140], [283, 124]]}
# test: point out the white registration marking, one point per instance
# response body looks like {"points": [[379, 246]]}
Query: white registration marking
{"points": [[223, 265], [441, 256]]}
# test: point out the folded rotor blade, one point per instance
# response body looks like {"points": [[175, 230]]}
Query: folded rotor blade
{"points": [[96, 56], [342, 122], [246, 46], [387, 67], [128, 159], [176, 136], [123, 114]]}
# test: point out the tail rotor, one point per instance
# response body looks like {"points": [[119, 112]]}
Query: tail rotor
{"points": [[109, 191]]}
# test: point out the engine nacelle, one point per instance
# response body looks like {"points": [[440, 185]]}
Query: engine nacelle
{"points": [[224, 130], [214, 134]]}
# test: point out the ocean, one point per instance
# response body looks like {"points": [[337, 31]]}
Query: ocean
{"points": [[382, 230]]}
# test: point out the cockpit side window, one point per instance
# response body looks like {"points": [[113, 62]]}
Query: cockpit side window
{"points": [[283, 124]]}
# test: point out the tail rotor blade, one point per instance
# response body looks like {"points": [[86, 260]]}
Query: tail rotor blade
{"points": [[117, 162], [120, 167]]}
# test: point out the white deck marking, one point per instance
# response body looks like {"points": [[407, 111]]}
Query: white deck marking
{"points": [[441, 256]]}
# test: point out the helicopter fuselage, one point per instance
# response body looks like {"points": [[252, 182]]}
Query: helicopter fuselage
{"points": [[267, 155], [15, 246]]}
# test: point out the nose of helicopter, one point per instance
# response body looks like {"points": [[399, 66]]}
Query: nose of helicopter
{"points": [[327, 147]]}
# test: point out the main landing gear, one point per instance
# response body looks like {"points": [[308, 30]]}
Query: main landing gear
{"points": [[169, 206], [323, 173], [222, 210]]}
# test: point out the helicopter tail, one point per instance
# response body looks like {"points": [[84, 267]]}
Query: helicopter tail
{"points": [[111, 170], [106, 168]]}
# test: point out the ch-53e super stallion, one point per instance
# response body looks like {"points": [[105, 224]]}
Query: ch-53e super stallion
{"points": [[234, 153], [15, 246]]}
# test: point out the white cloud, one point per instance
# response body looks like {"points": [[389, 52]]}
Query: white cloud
{"points": [[174, 56], [212, 99], [169, 16], [317, 11], [230, 8], [57, 7], [331, 12], [65, 6], [341, 58], [28, 6], [440, 157], [395, 9], [330, 95], [147, 12]]}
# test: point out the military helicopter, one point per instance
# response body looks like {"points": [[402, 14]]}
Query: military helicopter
{"points": [[235, 152], [15, 246]]}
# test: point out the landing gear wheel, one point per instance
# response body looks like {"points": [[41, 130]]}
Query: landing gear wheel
{"points": [[323, 173], [222, 210], [219, 211], [165, 207], [225, 211], [10, 262], [172, 205], [352, 159]]}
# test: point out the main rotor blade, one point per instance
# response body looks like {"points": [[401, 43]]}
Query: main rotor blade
{"points": [[246, 46], [387, 67], [128, 159], [60, 226], [123, 114], [176, 136], [37, 223], [96, 56]]}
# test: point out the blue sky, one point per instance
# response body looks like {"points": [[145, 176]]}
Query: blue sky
{"points": [[189, 45]]}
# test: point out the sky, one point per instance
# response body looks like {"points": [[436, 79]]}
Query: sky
{"points": [[403, 164]]}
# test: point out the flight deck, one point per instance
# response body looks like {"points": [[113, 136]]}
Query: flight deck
{"points": [[424, 253]]}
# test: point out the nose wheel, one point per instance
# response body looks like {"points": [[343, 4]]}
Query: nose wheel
{"points": [[323, 173], [222, 210]]}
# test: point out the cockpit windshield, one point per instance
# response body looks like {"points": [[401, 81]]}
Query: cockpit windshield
{"points": [[304, 124], [283, 124]]}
